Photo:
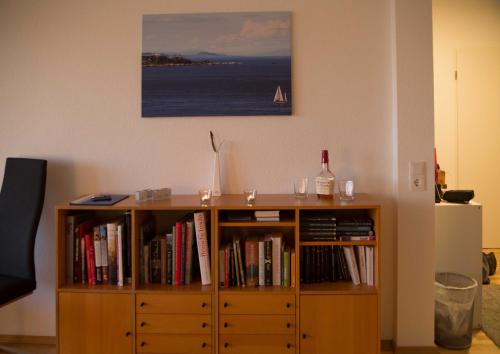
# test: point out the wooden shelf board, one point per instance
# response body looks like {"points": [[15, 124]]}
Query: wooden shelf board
{"points": [[257, 224], [95, 288], [190, 288], [340, 287], [338, 243], [258, 289]]}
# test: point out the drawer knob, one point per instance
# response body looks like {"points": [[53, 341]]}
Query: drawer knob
{"points": [[288, 325], [128, 334], [204, 325], [288, 305], [143, 344], [143, 324], [142, 304], [226, 345], [288, 345], [226, 324], [203, 304], [203, 345], [304, 336], [226, 304]]}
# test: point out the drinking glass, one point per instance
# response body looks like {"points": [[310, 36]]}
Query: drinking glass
{"points": [[346, 189], [250, 195], [205, 196], [300, 187]]}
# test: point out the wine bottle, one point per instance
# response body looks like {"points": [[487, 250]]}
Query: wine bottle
{"points": [[325, 180]]}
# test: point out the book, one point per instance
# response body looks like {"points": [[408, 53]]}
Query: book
{"points": [[351, 264], [120, 236], [169, 242], [236, 264], [222, 267], [127, 244], [227, 271], [267, 219], [241, 263], [112, 232], [155, 259], [203, 250], [174, 253], [96, 238], [178, 253], [268, 260], [293, 268], [267, 213], [73, 274], [147, 265], [189, 252], [361, 263], [83, 258], [183, 253], [252, 261], [104, 253], [276, 262], [163, 258], [146, 233], [95, 200], [370, 266], [262, 276], [286, 266], [90, 256], [79, 263]]}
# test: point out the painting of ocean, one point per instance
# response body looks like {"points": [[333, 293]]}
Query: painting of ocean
{"points": [[223, 64]]}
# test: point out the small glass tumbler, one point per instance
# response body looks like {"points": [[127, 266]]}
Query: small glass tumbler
{"points": [[250, 195], [346, 189], [300, 187], [205, 196]]}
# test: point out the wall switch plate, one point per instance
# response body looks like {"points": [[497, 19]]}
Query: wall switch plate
{"points": [[417, 176]]}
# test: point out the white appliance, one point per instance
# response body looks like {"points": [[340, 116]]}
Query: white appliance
{"points": [[459, 244]]}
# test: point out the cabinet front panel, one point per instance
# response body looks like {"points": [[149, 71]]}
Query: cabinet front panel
{"points": [[256, 324], [343, 324], [173, 304], [256, 344], [174, 324], [258, 304], [174, 343]]}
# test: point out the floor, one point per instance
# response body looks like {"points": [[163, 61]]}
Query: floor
{"points": [[481, 344]]}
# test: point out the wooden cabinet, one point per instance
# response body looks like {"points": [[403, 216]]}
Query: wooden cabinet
{"points": [[88, 321], [343, 324], [317, 316]]}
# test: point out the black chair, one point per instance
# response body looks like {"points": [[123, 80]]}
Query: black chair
{"points": [[21, 202]]}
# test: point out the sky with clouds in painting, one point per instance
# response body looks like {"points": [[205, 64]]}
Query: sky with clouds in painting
{"points": [[244, 33]]}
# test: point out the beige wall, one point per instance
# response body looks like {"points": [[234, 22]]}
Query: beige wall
{"points": [[457, 24], [70, 92]]}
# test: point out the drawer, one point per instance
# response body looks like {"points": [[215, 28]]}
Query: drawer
{"points": [[174, 343], [173, 304], [252, 344], [256, 324], [174, 324], [259, 304]]}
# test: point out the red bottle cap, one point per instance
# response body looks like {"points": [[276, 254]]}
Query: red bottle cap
{"points": [[324, 156]]}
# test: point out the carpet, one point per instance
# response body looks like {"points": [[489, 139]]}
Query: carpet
{"points": [[491, 312]]}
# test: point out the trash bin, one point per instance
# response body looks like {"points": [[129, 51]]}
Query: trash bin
{"points": [[454, 310]]}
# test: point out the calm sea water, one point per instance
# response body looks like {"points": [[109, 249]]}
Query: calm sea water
{"points": [[217, 90]]}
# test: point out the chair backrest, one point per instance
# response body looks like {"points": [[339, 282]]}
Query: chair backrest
{"points": [[21, 203]]}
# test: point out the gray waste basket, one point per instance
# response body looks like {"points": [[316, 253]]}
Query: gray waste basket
{"points": [[454, 310]]}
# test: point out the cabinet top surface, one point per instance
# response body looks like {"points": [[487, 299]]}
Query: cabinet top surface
{"points": [[236, 201]]}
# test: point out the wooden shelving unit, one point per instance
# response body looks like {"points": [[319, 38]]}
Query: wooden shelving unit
{"points": [[154, 318]]}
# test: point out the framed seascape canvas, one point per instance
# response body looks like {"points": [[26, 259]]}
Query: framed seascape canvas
{"points": [[216, 64]]}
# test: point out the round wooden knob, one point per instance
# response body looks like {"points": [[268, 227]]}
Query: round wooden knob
{"points": [[143, 344], [226, 345], [226, 324], [288, 305], [203, 345], [288, 325], [128, 334], [226, 304], [142, 304], [143, 324], [288, 345], [203, 304], [304, 336], [203, 325]]}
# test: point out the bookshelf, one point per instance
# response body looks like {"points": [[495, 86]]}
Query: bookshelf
{"points": [[313, 315]]}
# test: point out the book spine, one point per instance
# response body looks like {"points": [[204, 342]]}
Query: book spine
{"points": [[83, 260], [97, 254], [276, 259], [89, 246], [147, 265], [112, 231], [293, 266], [163, 256], [268, 260], [362, 263], [286, 267], [251, 262], [119, 256], [77, 260], [178, 252], [236, 264], [155, 260], [189, 252], [183, 254], [128, 248], [351, 264], [222, 265], [174, 254], [370, 266], [240, 263], [104, 253], [203, 250], [169, 258], [70, 249], [232, 268], [226, 266], [262, 276]]}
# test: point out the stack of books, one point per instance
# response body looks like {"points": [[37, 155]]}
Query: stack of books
{"points": [[337, 263], [355, 228], [98, 252], [171, 258], [256, 261], [267, 215], [318, 227]]}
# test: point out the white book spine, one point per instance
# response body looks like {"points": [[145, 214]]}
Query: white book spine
{"points": [[351, 264], [202, 243], [362, 263], [119, 255], [369, 266], [276, 262], [262, 277]]}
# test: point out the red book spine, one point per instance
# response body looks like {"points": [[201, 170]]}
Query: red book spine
{"points": [[89, 246], [178, 252], [226, 266]]}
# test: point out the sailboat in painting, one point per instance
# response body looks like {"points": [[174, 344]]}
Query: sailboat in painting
{"points": [[280, 97]]}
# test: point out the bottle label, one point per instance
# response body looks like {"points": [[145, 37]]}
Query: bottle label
{"points": [[324, 186]]}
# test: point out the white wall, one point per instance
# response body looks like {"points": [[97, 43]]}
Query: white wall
{"points": [[457, 24], [70, 92]]}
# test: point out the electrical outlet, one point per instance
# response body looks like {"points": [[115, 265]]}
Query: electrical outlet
{"points": [[417, 176]]}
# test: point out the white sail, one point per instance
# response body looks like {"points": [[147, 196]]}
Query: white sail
{"points": [[278, 96]]}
